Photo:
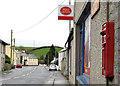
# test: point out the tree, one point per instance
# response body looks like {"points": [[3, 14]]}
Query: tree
{"points": [[50, 55], [42, 57], [46, 59], [21, 48], [41, 60]]}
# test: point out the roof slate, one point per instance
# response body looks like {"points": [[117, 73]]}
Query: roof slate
{"points": [[1, 41], [31, 56]]}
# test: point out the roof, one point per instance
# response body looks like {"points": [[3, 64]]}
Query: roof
{"points": [[23, 54], [31, 56], [4, 43], [18, 51], [63, 50]]}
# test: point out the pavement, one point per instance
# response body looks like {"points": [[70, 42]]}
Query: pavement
{"points": [[33, 75]]}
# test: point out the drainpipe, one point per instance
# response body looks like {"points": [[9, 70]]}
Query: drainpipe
{"points": [[107, 80], [107, 10]]}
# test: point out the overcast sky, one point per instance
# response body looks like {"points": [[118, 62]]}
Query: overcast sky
{"points": [[22, 14]]}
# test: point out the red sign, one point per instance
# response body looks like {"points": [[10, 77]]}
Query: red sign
{"points": [[65, 12]]}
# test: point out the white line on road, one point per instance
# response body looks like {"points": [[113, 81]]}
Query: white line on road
{"points": [[23, 75], [5, 79], [27, 74], [16, 77], [30, 72]]}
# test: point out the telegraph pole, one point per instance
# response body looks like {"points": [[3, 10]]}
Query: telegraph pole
{"points": [[11, 45], [13, 51]]}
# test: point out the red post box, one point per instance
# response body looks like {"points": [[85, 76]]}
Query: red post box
{"points": [[108, 49]]}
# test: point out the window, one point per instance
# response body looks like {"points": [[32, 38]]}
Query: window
{"points": [[87, 46], [84, 47]]}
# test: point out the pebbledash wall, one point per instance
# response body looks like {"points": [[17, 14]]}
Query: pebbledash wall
{"points": [[95, 42]]}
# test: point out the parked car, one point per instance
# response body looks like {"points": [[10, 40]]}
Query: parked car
{"points": [[52, 67], [18, 66]]}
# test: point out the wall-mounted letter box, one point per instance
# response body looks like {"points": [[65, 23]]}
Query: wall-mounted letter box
{"points": [[108, 49]]}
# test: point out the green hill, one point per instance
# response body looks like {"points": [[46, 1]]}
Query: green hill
{"points": [[20, 48], [38, 51]]}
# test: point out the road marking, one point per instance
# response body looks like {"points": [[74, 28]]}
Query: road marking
{"points": [[5, 79], [16, 77], [23, 75]]}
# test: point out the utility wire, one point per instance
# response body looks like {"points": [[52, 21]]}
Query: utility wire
{"points": [[40, 20]]}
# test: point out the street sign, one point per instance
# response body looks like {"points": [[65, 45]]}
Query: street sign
{"points": [[65, 12]]}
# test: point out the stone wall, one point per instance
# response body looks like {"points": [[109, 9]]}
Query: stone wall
{"points": [[114, 15], [96, 45], [79, 7], [119, 42], [97, 21], [0, 56], [72, 63]]}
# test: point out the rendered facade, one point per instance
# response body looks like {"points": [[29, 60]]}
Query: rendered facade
{"points": [[85, 42]]}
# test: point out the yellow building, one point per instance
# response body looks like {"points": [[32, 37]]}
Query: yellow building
{"points": [[19, 57], [14, 55], [33, 60], [29, 59]]}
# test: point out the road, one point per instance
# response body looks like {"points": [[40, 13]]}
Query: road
{"points": [[33, 75]]}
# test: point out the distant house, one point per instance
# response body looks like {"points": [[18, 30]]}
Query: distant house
{"points": [[33, 60], [24, 58], [62, 62], [2, 54], [18, 55], [28, 59]]}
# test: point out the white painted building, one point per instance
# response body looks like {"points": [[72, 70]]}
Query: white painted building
{"points": [[62, 61]]}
